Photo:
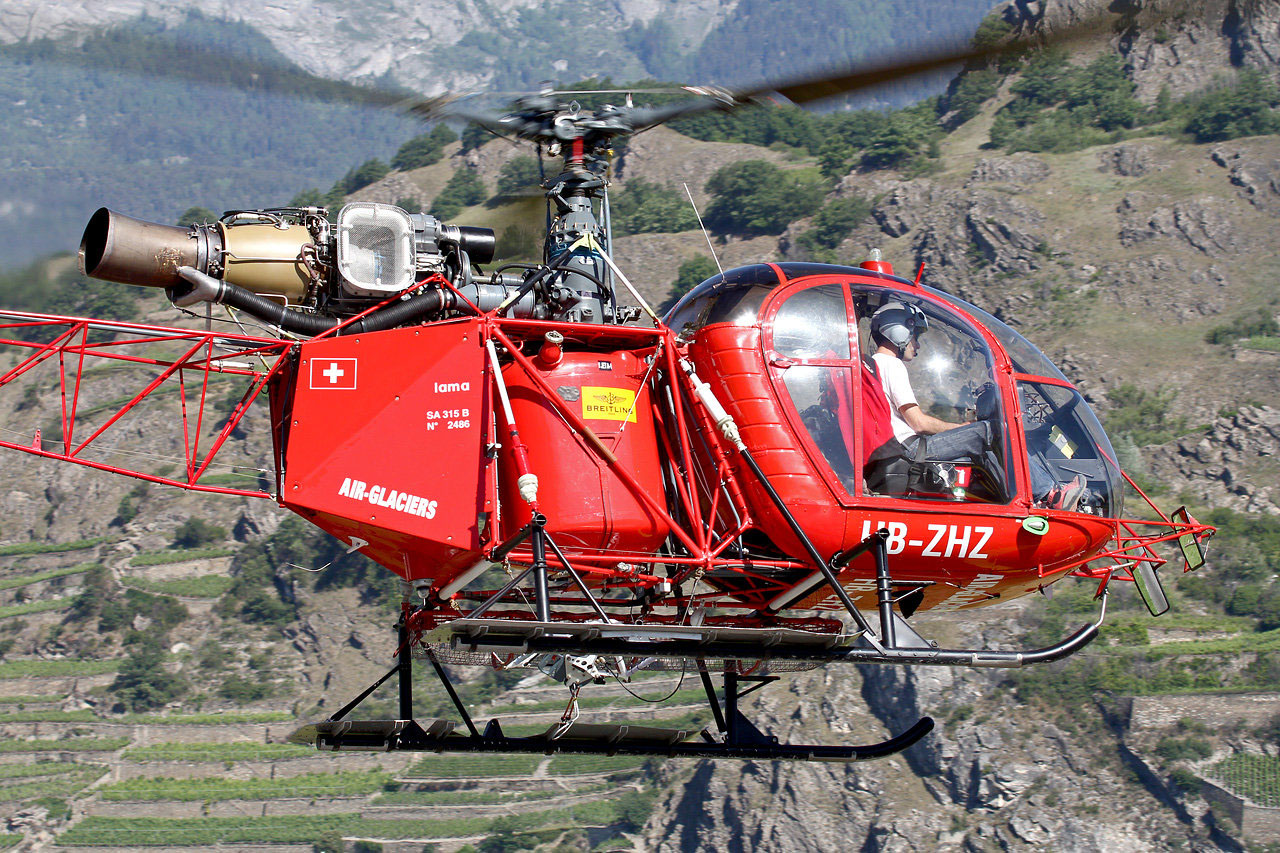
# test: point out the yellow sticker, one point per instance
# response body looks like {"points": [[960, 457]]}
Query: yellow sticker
{"points": [[608, 404], [1064, 444]]}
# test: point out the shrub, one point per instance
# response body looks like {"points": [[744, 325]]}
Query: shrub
{"points": [[690, 274], [196, 533], [634, 807], [1189, 748], [968, 93], [834, 222], [1185, 780], [1258, 325], [424, 149], [142, 683], [196, 216], [368, 172], [1143, 415], [645, 207], [1244, 109]]}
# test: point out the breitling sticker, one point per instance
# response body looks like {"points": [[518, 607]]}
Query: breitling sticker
{"points": [[608, 404]]}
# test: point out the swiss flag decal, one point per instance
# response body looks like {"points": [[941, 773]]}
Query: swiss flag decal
{"points": [[333, 374]]}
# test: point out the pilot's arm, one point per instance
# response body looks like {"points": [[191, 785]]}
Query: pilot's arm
{"points": [[923, 423]]}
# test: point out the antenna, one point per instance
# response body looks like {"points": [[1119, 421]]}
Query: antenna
{"points": [[694, 205]]}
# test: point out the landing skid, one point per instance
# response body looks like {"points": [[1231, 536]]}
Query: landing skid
{"points": [[739, 648], [736, 736]]}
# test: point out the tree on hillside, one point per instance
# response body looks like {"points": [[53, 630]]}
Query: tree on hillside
{"points": [[143, 684], [645, 207], [1245, 109], [519, 175], [424, 149], [691, 274], [196, 216], [464, 189], [757, 197]]}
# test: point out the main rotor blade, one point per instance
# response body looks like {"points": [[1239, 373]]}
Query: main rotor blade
{"points": [[216, 67], [829, 84]]}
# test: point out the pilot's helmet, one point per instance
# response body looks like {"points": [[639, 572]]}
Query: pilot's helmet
{"points": [[896, 324]]}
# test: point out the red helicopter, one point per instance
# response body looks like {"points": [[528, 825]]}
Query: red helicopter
{"points": [[719, 489]]}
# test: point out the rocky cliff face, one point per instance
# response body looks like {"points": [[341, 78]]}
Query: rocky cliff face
{"points": [[406, 40], [993, 775], [1163, 45]]}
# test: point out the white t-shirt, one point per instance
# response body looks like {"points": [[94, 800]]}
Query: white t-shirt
{"points": [[897, 389]]}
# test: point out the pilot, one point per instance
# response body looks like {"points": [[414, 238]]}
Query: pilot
{"points": [[896, 328]]}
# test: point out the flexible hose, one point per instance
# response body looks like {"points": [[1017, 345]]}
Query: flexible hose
{"points": [[270, 311]]}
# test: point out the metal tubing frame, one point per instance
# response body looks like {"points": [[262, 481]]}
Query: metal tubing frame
{"points": [[73, 340]]}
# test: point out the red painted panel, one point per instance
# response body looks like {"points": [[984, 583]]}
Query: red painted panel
{"points": [[386, 444], [586, 504]]}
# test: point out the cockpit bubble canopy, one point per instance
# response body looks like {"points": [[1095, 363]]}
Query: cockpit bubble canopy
{"points": [[814, 321]]}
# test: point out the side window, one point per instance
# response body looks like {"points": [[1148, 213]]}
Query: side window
{"points": [[810, 340], [951, 374], [813, 324]]}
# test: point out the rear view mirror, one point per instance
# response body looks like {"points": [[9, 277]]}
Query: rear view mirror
{"points": [[1192, 550], [1148, 583]]}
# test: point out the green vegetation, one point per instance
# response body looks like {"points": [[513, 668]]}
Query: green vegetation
{"points": [[219, 752], [1256, 777], [27, 580], [1245, 108], [292, 829], [464, 189], [425, 149], [160, 558], [49, 547], [757, 197], [202, 586], [52, 668], [47, 716], [197, 533], [690, 274], [198, 790], [519, 176], [1143, 416], [568, 765], [109, 116], [65, 292], [647, 207], [143, 683], [452, 767], [29, 700], [1246, 557], [834, 222], [29, 607], [1257, 325], [442, 798], [65, 744], [162, 611]]}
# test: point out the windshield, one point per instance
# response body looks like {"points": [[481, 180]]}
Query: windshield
{"points": [[1026, 357], [1065, 443]]}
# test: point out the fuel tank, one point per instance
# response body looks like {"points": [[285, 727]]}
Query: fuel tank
{"points": [[586, 504]]}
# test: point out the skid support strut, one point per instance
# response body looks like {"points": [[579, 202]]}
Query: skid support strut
{"points": [[739, 737]]}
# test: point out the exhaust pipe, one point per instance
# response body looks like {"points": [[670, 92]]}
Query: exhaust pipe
{"points": [[120, 248], [262, 258]]}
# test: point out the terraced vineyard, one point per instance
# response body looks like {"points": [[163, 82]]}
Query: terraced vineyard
{"points": [[75, 765]]}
